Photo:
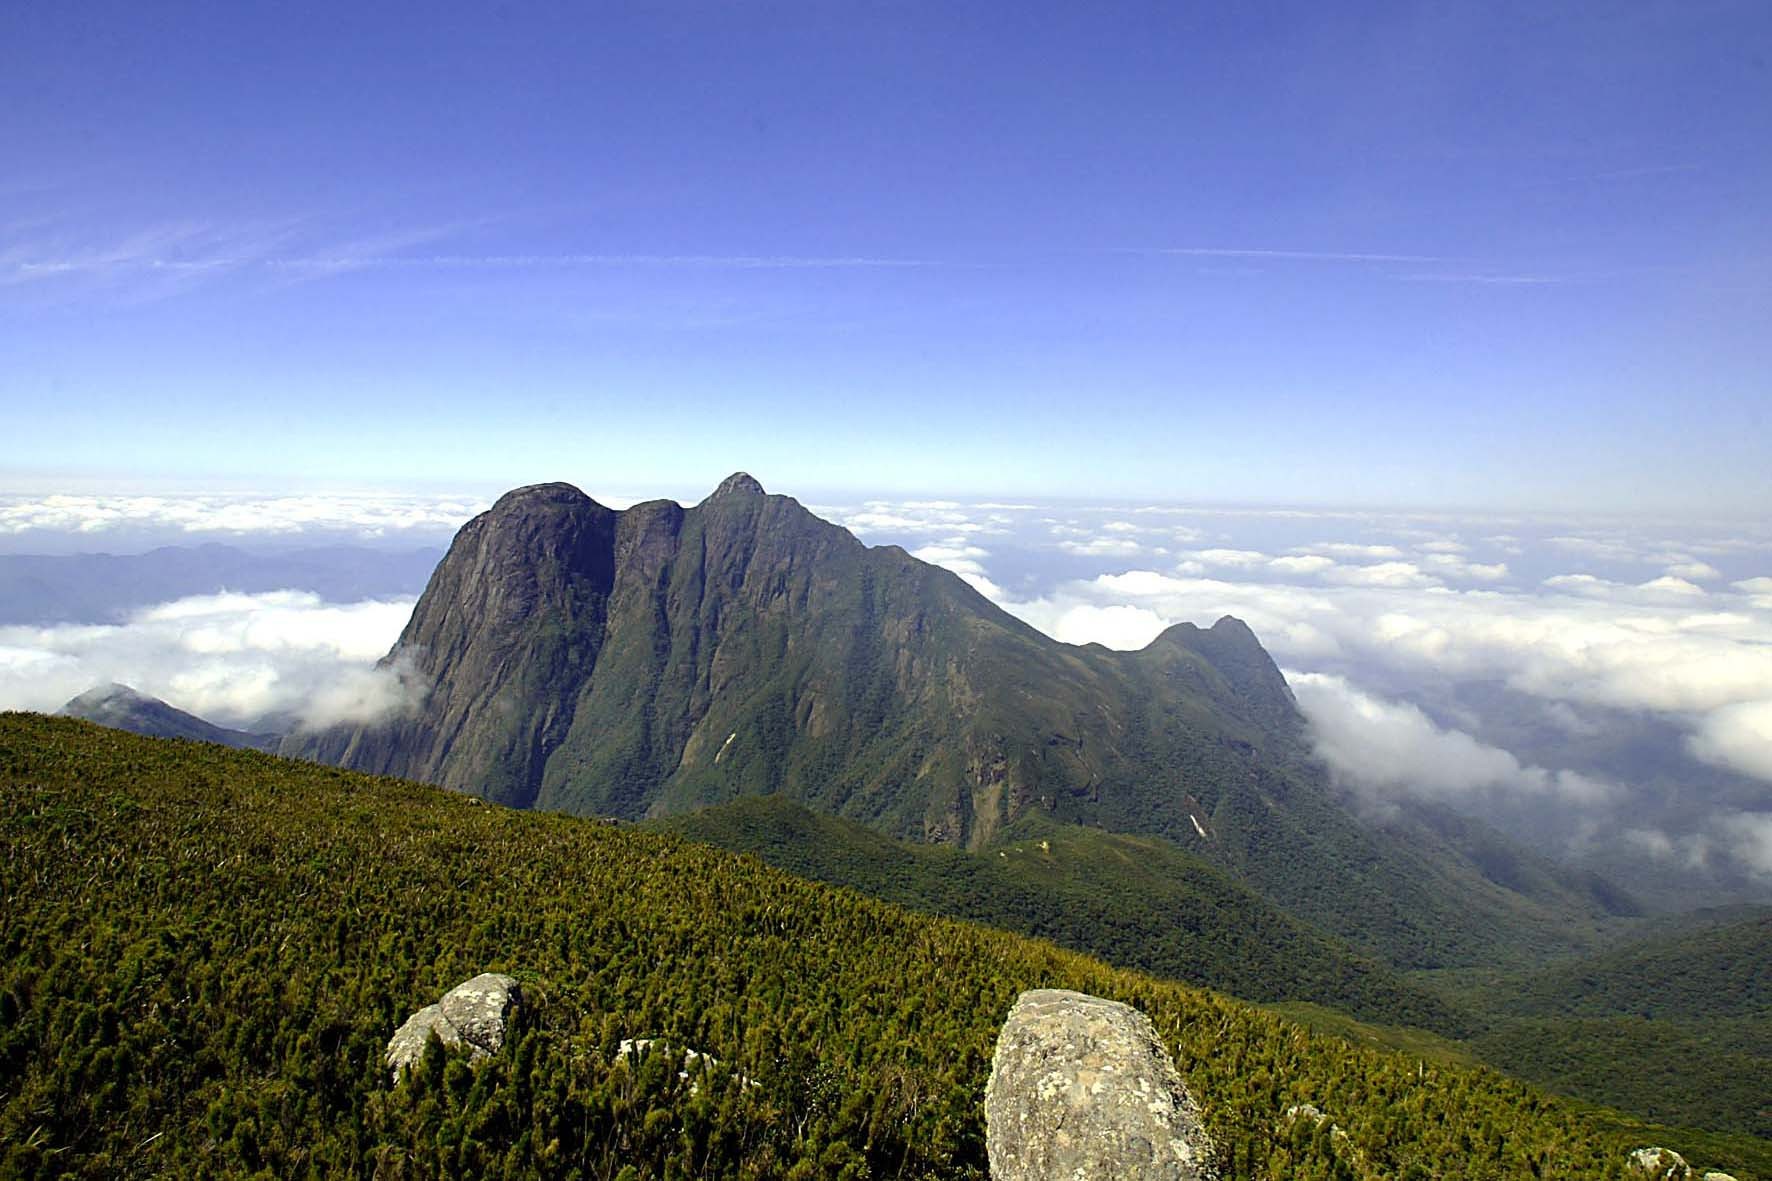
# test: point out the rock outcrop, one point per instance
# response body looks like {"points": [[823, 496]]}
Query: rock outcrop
{"points": [[1081, 1089], [475, 1013], [1664, 1164]]}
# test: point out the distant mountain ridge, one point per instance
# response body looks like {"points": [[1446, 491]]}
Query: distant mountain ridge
{"points": [[123, 708], [662, 658]]}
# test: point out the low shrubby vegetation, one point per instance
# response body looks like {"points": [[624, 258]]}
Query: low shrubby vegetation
{"points": [[205, 952]]}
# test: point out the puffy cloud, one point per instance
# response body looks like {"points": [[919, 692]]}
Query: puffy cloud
{"points": [[1737, 736], [1243, 559], [1743, 838], [1391, 574], [1102, 547], [230, 658], [964, 559], [1453, 566], [915, 517], [1666, 589], [1352, 550], [1700, 571], [1749, 836], [1601, 548], [1301, 564], [1384, 749]]}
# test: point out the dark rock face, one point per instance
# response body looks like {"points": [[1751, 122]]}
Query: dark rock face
{"points": [[655, 659], [1081, 1089]]}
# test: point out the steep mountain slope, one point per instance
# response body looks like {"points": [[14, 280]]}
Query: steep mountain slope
{"points": [[207, 949], [1135, 901], [662, 658], [122, 708]]}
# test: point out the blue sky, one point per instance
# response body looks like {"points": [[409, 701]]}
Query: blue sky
{"points": [[1487, 255]]}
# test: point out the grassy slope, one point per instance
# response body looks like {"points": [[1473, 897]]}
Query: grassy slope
{"points": [[1135, 901], [205, 950]]}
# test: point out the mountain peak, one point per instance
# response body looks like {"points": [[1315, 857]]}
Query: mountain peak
{"points": [[113, 692], [534, 495], [738, 484]]}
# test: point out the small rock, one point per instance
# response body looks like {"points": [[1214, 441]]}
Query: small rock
{"points": [[1714, 1175], [1664, 1164], [1081, 1089]]}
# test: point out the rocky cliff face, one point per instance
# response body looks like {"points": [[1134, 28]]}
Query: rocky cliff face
{"points": [[654, 660], [622, 663]]}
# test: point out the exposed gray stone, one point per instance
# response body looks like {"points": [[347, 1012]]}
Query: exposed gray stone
{"points": [[408, 1043], [474, 1013], [480, 1007], [1664, 1164], [1081, 1089]]}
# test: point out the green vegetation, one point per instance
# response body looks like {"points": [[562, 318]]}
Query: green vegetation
{"points": [[1140, 902], [1676, 1027], [205, 951], [1716, 1074], [1134, 901]]}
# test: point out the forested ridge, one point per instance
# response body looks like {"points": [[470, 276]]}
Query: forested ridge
{"points": [[1676, 1026], [207, 949], [1139, 902]]}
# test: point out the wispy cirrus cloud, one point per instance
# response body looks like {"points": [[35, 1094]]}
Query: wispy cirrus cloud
{"points": [[170, 258], [1294, 255]]}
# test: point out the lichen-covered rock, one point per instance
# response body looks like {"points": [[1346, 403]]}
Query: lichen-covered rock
{"points": [[1664, 1164], [1081, 1089], [475, 1013], [480, 1008], [408, 1043]]}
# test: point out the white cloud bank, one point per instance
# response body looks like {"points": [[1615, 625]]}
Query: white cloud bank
{"points": [[1382, 750], [228, 658], [365, 516], [1704, 660]]}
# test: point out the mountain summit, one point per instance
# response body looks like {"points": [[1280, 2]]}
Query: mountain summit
{"points": [[662, 658], [124, 708]]}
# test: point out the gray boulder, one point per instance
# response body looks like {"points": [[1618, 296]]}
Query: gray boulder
{"points": [[480, 1007], [1081, 1089], [1663, 1164], [476, 1013], [408, 1043]]}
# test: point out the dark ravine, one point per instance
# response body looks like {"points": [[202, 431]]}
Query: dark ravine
{"points": [[662, 658]]}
